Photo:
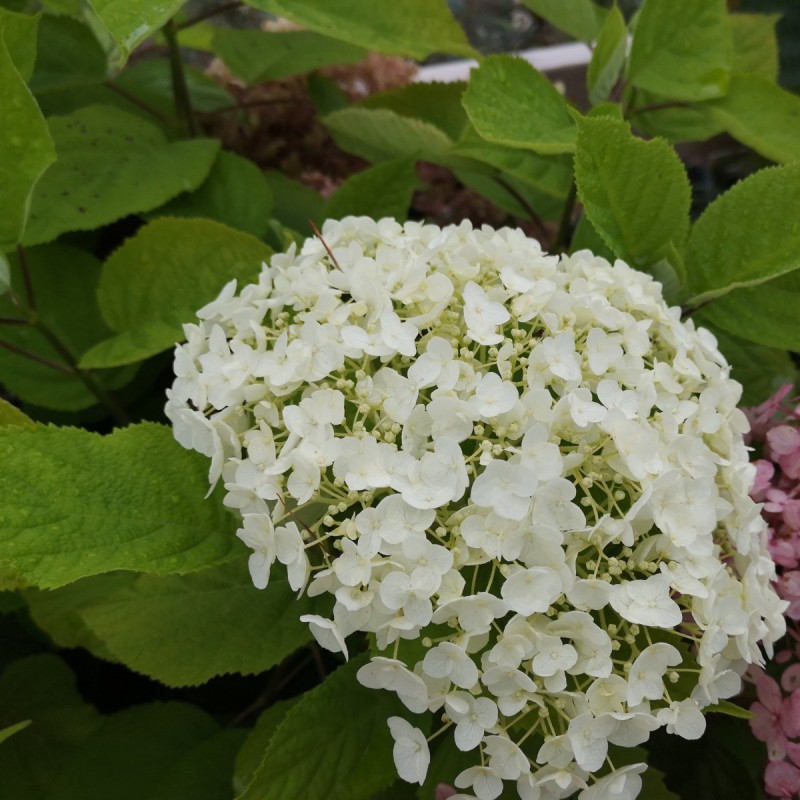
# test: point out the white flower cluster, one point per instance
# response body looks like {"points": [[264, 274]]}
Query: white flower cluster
{"points": [[522, 474]]}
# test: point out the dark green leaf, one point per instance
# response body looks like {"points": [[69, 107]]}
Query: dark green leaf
{"points": [[682, 49], [383, 135], [185, 630], [234, 193], [19, 33], [748, 235], [510, 102], [326, 95], [384, 190], [581, 19], [635, 193], [608, 57], [150, 752], [437, 103], [333, 744], [755, 45], [760, 370], [26, 150], [111, 164], [250, 756], [159, 278], [766, 314], [64, 281], [83, 504], [414, 28], [676, 122], [586, 237], [760, 114], [69, 57], [257, 55], [295, 203]]}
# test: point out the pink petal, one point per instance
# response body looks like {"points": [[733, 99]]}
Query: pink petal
{"points": [[782, 779], [783, 439]]}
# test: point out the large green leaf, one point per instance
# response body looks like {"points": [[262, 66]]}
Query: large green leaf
{"points": [[26, 149], [150, 752], [69, 57], [510, 102], [257, 55], [333, 744], [657, 116], [582, 19], [766, 314], [682, 49], [436, 103], [413, 28], [234, 193], [19, 33], [295, 203], [64, 281], [111, 164], [635, 193], [760, 114], [80, 504], [747, 236], [608, 57], [11, 415], [180, 630], [130, 22], [755, 44], [383, 135], [158, 279], [384, 190]]}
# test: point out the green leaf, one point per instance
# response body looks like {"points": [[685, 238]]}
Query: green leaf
{"points": [[586, 237], [381, 191], [157, 279], [383, 135], [5, 275], [581, 19], [676, 123], [413, 28], [258, 56], [69, 57], [234, 193], [682, 49], [251, 754], [510, 102], [760, 370], [436, 103], [185, 630], [333, 744], [130, 22], [151, 752], [746, 236], [111, 164], [766, 314], [69, 8], [755, 44], [19, 33], [26, 150], [760, 114], [608, 57], [11, 415], [635, 193], [295, 203], [64, 281], [729, 709], [83, 504], [9, 731]]}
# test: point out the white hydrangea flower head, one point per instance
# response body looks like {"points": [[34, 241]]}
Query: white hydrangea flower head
{"points": [[527, 480]]}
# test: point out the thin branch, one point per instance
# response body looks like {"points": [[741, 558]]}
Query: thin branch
{"points": [[564, 235], [180, 89], [324, 243], [687, 311], [534, 217], [21, 351], [13, 321], [213, 12], [132, 98]]}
